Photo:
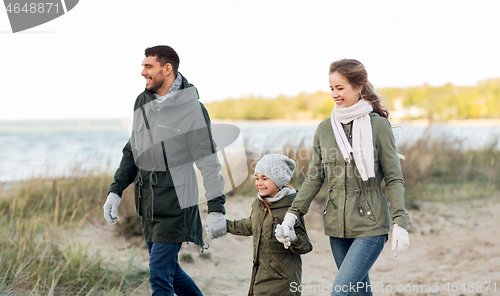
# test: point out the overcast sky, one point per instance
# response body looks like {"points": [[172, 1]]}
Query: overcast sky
{"points": [[87, 63]]}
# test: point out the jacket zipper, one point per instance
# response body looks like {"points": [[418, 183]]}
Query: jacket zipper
{"points": [[174, 129], [345, 182], [187, 223], [140, 191], [151, 182], [152, 202]]}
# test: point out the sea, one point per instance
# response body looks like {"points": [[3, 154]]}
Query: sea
{"points": [[54, 148]]}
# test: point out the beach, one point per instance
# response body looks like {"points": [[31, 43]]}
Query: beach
{"points": [[454, 250]]}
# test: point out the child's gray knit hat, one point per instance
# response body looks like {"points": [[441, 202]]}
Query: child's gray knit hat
{"points": [[276, 167]]}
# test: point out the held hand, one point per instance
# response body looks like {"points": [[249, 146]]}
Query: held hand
{"points": [[288, 223], [280, 236], [111, 207], [400, 240], [216, 225]]}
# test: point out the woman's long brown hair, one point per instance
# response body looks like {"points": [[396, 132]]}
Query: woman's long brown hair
{"points": [[355, 73]]}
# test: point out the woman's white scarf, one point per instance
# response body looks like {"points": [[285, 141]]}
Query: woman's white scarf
{"points": [[362, 140]]}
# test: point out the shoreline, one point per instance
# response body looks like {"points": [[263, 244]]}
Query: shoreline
{"points": [[453, 122], [415, 122], [122, 123]]}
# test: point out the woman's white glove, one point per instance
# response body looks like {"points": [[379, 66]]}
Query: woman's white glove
{"points": [[400, 240], [287, 226], [280, 236], [288, 223], [216, 225], [111, 207]]}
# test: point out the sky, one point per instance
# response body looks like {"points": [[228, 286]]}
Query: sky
{"points": [[87, 63]]}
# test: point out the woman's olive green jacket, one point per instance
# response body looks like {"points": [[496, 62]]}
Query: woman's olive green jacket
{"points": [[353, 207], [274, 267]]}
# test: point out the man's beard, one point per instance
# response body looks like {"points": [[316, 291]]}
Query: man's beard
{"points": [[156, 84]]}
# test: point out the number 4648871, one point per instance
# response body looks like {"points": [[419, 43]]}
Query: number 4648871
{"points": [[32, 8]]}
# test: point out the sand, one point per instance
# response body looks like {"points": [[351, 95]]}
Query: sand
{"points": [[454, 250]]}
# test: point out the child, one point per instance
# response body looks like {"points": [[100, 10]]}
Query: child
{"points": [[275, 269]]}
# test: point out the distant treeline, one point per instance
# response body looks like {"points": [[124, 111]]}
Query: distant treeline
{"points": [[424, 102]]}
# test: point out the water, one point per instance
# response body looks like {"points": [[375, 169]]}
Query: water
{"points": [[31, 149], [54, 148], [261, 135]]}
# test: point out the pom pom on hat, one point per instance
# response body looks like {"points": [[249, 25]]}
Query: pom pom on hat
{"points": [[276, 167]]}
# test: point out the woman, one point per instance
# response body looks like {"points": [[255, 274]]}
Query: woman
{"points": [[353, 151]]}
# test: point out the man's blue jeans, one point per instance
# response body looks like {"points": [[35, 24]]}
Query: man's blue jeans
{"points": [[165, 274], [354, 258]]}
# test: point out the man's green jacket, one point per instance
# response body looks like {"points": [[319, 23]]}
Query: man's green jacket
{"points": [[158, 159]]}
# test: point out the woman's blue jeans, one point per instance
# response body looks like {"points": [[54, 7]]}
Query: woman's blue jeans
{"points": [[165, 274], [354, 258]]}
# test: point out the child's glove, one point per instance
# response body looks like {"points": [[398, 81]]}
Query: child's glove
{"points": [[216, 225], [280, 236], [400, 240]]}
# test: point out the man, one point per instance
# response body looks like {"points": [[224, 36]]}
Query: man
{"points": [[171, 131]]}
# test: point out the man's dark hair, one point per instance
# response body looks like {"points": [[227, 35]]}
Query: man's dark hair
{"points": [[164, 54]]}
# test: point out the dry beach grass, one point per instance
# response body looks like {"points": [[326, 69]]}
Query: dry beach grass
{"points": [[54, 241]]}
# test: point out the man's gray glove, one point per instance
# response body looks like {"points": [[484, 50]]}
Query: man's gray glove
{"points": [[216, 225], [280, 236], [111, 207]]}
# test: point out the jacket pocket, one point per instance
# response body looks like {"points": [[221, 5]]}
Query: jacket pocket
{"points": [[165, 201], [138, 194], [163, 132], [366, 212], [140, 143], [330, 218], [279, 269], [140, 137]]}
